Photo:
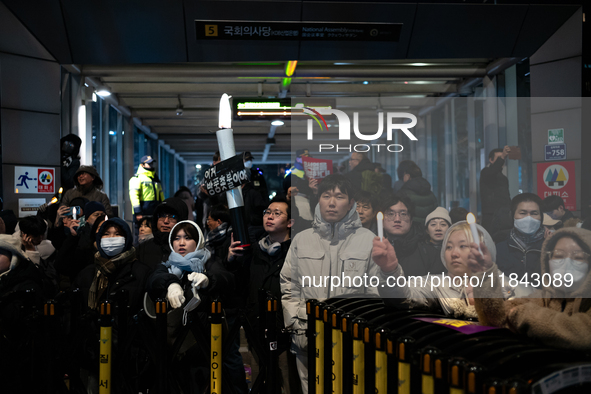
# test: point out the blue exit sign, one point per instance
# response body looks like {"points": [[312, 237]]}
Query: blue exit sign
{"points": [[555, 152]]}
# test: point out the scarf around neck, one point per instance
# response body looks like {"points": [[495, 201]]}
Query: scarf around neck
{"points": [[269, 247], [105, 268], [218, 234], [191, 262]]}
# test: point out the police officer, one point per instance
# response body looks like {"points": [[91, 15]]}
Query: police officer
{"points": [[145, 191]]}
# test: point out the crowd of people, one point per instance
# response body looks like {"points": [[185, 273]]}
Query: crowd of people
{"points": [[182, 249]]}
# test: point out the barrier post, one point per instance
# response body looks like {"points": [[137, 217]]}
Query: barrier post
{"points": [[456, 375], [161, 343], [381, 371], [215, 319], [346, 320], [50, 336], [357, 328], [428, 369], [311, 335], [392, 362], [404, 349], [337, 351], [369, 358], [106, 323], [319, 348], [271, 342], [474, 378], [326, 327]]}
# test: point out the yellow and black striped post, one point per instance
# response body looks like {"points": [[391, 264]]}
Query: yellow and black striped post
{"points": [[357, 329], [319, 350], [106, 325], [428, 369], [216, 348], [494, 386], [337, 351], [380, 338], [326, 314], [311, 335], [161, 308], [271, 344], [474, 378], [404, 349], [347, 337], [456, 375], [369, 358]]}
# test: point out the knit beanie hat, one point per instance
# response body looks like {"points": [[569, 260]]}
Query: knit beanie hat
{"points": [[438, 213]]}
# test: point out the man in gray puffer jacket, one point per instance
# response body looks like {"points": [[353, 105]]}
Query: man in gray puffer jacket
{"points": [[337, 248]]}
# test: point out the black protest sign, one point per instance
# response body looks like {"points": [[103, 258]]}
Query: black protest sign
{"points": [[226, 175]]}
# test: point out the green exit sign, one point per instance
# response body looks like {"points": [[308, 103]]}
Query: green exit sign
{"points": [[556, 136]]}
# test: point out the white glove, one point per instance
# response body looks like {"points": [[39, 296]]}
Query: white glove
{"points": [[175, 295], [200, 281]]}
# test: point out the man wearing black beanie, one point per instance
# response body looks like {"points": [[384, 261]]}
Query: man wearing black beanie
{"points": [[156, 250]]}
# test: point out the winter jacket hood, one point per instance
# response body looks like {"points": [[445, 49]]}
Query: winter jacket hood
{"points": [[12, 245], [578, 234], [97, 182], [336, 231], [119, 222], [418, 185], [488, 241], [200, 242]]}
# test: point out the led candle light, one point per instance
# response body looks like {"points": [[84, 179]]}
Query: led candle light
{"points": [[74, 213], [471, 219], [380, 219], [225, 139], [59, 193]]}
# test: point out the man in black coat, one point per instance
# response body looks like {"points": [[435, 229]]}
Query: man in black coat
{"points": [[494, 188], [156, 250], [418, 189], [262, 266], [406, 236]]}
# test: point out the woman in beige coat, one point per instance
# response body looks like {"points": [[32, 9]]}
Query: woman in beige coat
{"points": [[558, 313]]}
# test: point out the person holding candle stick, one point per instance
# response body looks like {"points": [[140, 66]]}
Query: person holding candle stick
{"points": [[449, 292]]}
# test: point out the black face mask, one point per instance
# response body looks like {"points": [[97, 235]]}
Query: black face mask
{"points": [[68, 149]]}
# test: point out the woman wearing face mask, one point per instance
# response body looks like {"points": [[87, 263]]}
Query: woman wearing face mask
{"points": [[115, 267], [520, 252], [448, 292], [558, 313]]}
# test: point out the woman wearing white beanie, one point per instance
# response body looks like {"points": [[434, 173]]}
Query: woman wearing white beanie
{"points": [[436, 224]]}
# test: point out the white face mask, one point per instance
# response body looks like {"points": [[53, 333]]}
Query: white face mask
{"points": [[527, 225], [578, 270], [248, 164], [113, 246]]}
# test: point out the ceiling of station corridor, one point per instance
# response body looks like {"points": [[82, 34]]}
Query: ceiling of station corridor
{"points": [[150, 56], [153, 92]]}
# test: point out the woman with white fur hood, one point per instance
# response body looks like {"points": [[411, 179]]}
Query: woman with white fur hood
{"points": [[449, 292], [189, 274]]}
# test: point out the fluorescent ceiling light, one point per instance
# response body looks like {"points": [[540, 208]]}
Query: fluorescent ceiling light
{"points": [[277, 123], [103, 92]]}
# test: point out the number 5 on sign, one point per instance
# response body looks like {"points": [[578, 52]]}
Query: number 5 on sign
{"points": [[211, 30]]}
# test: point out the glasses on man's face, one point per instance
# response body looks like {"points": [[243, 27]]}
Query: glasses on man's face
{"points": [[276, 213], [170, 216], [560, 254], [403, 215]]}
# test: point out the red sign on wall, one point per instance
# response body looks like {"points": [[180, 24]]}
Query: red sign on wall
{"points": [[558, 179], [45, 180]]}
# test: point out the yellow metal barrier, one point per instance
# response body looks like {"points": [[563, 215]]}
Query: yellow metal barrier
{"points": [[105, 348], [403, 353], [216, 348], [381, 361], [358, 357], [337, 352], [319, 327]]}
